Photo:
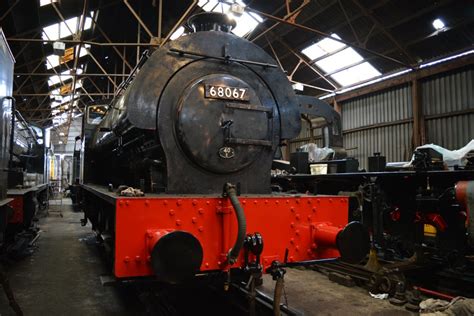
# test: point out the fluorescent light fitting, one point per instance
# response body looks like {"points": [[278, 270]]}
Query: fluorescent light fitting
{"points": [[438, 24]]}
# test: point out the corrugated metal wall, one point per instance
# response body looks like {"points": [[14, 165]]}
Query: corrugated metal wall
{"points": [[363, 132], [383, 121], [303, 137], [447, 101]]}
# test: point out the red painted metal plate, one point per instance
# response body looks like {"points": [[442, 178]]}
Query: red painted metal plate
{"points": [[283, 222]]}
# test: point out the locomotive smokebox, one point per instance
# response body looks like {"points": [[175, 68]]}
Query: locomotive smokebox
{"points": [[176, 257], [211, 21]]}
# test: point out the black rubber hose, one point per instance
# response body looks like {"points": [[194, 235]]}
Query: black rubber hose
{"points": [[241, 222]]}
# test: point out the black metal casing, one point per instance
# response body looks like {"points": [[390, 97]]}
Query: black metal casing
{"points": [[166, 132]]}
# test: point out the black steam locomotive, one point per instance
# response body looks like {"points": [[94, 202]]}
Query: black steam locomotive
{"points": [[179, 166]]}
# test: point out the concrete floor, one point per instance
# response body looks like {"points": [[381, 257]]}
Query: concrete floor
{"points": [[62, 275], [62, 278], [312, 293]]}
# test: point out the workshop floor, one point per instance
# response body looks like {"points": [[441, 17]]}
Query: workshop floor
{"points": [[62, 277]]}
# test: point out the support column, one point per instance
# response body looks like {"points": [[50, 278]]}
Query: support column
{"points": [[419, 134]]}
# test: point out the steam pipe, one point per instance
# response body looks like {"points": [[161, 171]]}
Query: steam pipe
{"points": [[231, 192]]}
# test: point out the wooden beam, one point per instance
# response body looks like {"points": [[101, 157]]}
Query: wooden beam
{"points": [[419, 134]]}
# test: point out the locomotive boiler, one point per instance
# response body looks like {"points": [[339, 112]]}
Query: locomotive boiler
{"points": [[196, 131]]}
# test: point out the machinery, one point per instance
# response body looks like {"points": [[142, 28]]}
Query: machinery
{"points": [[21, 158], [176, 176], [420, 215]]}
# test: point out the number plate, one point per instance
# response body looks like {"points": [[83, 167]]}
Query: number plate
{"points": [[226, 93]]}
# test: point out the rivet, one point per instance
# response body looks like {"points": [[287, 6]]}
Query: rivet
{"points": [[165, 202], [207, 264], [179, 202], [330, 200], [149, 234], [207, 202], [309, 217], [266, 201], [308, 251], [292, 225], [297, 217], [318, 201], [194, 220], [297, 232], [172, 212], [314, 210], [292, 241], [255, 202], [313, 245], [220, 202], [126, 259], [147, 202], [297, 201], [126, 203], [287, 201], [138, 259], [297, 248], [194, 202], [178, 222], [291, 259], [309, 201], [219, 263], [244, 202], [265, 261], [201, 211], [201, 228], [277, 202], [120, 202], [292, 209]]}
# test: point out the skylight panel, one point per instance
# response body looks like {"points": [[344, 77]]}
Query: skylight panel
{"points": [[362, 72], [339, 60], [56, 92], [179, 31], [323, 47], [329, 45], [62, 30], [313, 51], [246, 22], [332, 56], [54, 61], [54, 80], [46, 2]]}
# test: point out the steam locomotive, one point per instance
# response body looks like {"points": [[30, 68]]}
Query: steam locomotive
{"points": [[196, 131], [21, 160]]}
